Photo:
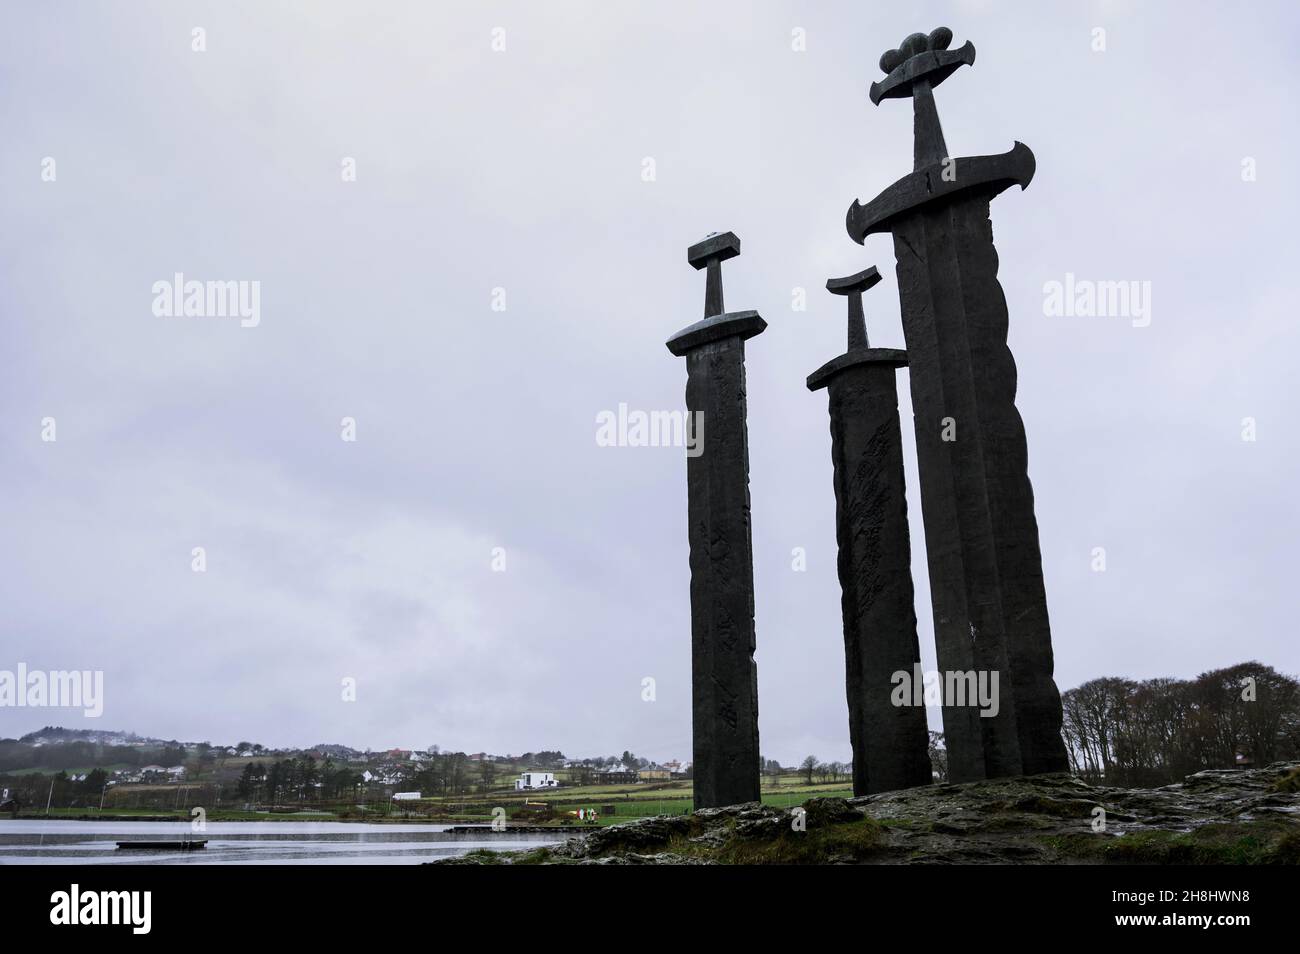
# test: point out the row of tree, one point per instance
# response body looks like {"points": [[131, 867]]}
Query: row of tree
{"points": [[1159, 731], [812, 769], [450, 773], [58, 790], [298, 780]]}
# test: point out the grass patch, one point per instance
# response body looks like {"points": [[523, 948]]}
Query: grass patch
{"points": [[1238, 843], [1290, 782], [852, 841]]}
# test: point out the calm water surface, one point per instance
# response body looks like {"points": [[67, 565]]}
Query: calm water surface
{"points": [[36, 842]]}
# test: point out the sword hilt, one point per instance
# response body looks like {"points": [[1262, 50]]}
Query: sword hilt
{"points": [[852, 288], [915, 68], [710, 253]]}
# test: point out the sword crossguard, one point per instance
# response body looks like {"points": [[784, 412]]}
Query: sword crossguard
{"points": [[718, 324], [852, 288], [710, 253]]}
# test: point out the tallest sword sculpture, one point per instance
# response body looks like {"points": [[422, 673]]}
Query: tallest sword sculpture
{"points": [[986, 577]]}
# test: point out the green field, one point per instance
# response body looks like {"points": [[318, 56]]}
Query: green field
{"points": [[551, 807], [627, 801]]}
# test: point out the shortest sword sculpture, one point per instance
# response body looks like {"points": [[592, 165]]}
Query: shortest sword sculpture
{"points": [[724, 678], [890, 740]]}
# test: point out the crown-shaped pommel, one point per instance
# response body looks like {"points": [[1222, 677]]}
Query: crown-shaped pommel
{"points": [[920, 57]]}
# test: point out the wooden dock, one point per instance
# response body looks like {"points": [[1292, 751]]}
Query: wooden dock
{"points": [[186, 845]]}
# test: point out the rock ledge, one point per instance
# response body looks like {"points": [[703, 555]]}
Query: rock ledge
{"points": [[1247, 816]]}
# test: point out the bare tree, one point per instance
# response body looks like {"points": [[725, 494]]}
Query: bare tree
{"points": [[808, 766], [938, 757], [1161, 730]]}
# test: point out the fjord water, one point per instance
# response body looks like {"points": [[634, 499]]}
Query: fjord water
{"points": [[34, 841]]}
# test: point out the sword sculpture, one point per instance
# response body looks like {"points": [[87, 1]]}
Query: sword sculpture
{"points": [[986, 577], [724, 679], [890, 742]]}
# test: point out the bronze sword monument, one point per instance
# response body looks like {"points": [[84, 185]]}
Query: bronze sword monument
{"points": [[890, 743], [724, 679], [981, 536]]}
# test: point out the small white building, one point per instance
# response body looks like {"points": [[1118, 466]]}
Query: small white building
{"points": [[532, 780], [405, 796]]}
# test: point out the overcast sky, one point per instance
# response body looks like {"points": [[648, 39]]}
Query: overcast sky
{"points": [[522, 170]]}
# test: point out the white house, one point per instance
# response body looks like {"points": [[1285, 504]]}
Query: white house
{"points": [[530, 780]]}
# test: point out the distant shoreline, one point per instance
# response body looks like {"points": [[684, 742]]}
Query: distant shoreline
{"points": [[458, 827]]}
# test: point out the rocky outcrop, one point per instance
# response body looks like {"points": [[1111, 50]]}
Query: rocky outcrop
{"points": [[1247, 816]]}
